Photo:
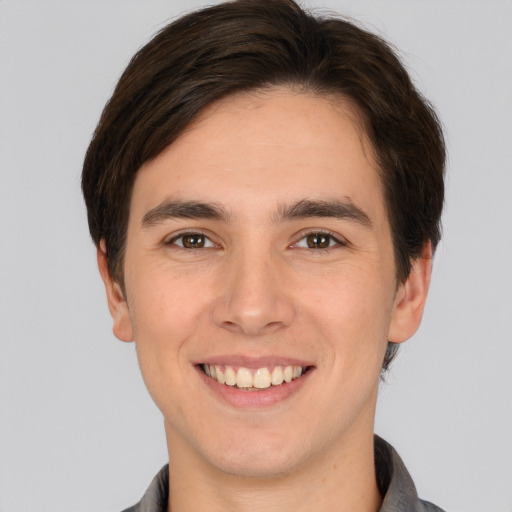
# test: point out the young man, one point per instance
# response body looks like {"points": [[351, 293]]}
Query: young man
{"points": [[264, 191]]}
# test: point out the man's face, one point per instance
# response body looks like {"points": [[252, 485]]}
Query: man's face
{"points": [[258, 241]]}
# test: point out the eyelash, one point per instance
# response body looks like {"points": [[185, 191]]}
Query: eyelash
{"points": [[197, 234], [331, 237]]}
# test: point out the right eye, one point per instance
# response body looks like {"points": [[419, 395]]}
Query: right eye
{"points": [[191, 241]]}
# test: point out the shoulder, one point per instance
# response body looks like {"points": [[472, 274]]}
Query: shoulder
{"points": [[430, 507], [155, 498], [395, 483]]}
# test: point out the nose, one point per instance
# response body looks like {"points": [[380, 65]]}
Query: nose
{"points": [[255, 297]]}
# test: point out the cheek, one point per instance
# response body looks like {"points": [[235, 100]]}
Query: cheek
{"points": [[165, 310], [165, 317], [164, 300], [353, 316]]}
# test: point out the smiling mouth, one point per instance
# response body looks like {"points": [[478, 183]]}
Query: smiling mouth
{"points": [[253, 380]]}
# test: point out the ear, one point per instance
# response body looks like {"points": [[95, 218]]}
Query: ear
{"points": [[117, 304], [410, 298]]}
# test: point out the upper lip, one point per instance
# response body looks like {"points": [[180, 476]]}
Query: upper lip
{"points": [[254, 362]]}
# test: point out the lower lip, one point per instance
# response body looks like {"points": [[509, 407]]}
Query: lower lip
{"points": [[254, 399]]}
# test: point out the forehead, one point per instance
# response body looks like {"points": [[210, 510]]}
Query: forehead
{"points": [[268, 146]]}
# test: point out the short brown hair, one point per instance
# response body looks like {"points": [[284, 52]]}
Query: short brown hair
{"points": [[245, 45]]}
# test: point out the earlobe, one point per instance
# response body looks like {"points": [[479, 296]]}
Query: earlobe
{"points": [[117, 304], [410, 298]]}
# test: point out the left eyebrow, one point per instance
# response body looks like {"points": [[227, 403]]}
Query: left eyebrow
{"points": [[175, 209], [311, 208]]}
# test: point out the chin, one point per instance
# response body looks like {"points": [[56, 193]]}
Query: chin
{"points": [[270, 456], [260, 466]]}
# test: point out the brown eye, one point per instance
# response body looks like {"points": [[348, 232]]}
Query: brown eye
{"points": [[195, 241], [318, 241], [192, 241]]}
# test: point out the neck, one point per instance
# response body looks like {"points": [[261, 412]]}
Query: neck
{"points": [[341, 479]]}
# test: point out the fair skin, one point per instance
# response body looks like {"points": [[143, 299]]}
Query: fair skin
{"points": [[260, 239]]}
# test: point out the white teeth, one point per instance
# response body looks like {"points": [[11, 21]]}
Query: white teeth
{"points": [[244, 378], [260, 379], [277, 376], [230, 376], [220, 375], [297, 372]]}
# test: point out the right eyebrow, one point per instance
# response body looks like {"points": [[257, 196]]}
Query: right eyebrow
{"points": [[175, 209]]}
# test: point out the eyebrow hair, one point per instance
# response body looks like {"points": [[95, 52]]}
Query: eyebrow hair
{"points": [[314, 208], [301, 210], [183, 210]]}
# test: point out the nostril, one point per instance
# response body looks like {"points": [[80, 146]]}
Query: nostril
{"points": [[231, 326], [251, 328]]}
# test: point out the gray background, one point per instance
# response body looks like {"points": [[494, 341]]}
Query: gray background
{"points": [[78, 431]]}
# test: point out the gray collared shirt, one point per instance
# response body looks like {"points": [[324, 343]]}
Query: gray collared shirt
{"points": [[395, 485]]}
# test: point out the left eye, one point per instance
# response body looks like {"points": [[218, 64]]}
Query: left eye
{"points": [[192, 241], [318, 241]]}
